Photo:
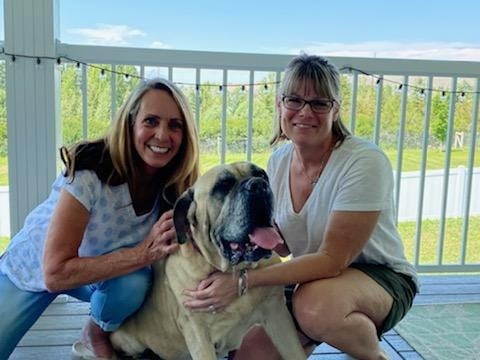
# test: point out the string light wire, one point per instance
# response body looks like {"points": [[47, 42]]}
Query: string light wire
{"points": [[400, 85], [129, 76]]}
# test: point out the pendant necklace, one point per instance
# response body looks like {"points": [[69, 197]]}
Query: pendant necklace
{"points": [[313, 180]]}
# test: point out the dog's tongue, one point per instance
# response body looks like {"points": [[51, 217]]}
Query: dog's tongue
{"points": [[266, 237]]}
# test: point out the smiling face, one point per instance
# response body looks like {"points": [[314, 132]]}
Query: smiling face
{"points": [[304, 126], [157, 130]]}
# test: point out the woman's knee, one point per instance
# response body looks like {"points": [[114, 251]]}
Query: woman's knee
{"points": [[136, 283], [314, 311], [114, 300], [128, 287]]}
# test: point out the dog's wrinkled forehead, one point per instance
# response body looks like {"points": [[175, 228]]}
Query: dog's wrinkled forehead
{"points": [[230, 175]]}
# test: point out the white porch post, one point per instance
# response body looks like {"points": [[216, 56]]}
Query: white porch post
{"points": [[31, 28]]}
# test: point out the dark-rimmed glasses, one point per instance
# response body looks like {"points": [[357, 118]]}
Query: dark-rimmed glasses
{"points": [[319, 106]]}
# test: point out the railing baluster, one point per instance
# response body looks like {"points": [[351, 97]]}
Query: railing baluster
{"points": [[223, 131], [446, 173], [197, 98], [400, 139], [84, 101], [113, 92], [353, 108], [278, 78], [250, 116], [470, 167], [423, 166], [378, 110]]}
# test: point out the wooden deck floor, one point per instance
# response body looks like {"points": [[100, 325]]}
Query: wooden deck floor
{"points": [[51, 337]]}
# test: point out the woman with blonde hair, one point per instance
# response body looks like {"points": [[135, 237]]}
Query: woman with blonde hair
{"points": [[106, 220]]}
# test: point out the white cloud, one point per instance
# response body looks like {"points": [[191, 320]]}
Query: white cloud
{"points": [[379, 49], [159, 45], [106, 34]]}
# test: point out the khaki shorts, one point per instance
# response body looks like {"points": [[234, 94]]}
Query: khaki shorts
{"points": [[400, 286]]}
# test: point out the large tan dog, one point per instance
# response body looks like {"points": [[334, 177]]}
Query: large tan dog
{"points": [[222, 222]]}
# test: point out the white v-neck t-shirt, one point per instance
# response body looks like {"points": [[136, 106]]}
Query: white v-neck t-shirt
{"points": [[357, 177]]}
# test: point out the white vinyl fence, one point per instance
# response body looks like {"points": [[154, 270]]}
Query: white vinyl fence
{"points": [[4, 212], [409, 192], [432, 194]]}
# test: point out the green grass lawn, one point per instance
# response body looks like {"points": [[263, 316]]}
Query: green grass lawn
{"points": [[429, 242], [452, 241], [3, 171], [3, 243], [411, 160]]}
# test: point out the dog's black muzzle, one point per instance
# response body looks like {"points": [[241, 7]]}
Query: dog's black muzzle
{"points": [[249, 205]]}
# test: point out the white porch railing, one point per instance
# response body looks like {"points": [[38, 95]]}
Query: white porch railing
{"points": [[226, 66]]}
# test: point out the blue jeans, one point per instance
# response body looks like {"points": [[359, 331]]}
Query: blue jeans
{"points": [[111, 302]]}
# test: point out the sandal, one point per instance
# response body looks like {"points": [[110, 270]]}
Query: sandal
{"points": [[81, 352]]}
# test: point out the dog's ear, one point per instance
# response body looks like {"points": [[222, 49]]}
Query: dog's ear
{"points": [[180, 212]]}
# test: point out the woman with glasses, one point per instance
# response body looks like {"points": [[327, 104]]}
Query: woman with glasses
{"points": [[348, 280]]}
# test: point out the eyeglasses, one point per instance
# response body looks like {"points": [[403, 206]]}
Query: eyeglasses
{"points": [[319, 106]]}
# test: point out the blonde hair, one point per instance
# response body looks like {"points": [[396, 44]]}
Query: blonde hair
{"points": [[325, 78], [117, 151]]}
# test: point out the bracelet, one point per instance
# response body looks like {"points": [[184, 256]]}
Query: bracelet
{"points": [[242, 282]]}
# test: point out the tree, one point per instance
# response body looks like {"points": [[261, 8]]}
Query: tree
{"points": [[439, 122], [98, 100], [71, 104]]}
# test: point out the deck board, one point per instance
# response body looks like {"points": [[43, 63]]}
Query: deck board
{"points": [[448, 289], [60, 325]]}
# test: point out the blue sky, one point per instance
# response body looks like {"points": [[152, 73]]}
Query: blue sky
{"points": [[424, 29]]}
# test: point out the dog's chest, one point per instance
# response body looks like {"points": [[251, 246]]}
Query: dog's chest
{"points": [[185, 270]]}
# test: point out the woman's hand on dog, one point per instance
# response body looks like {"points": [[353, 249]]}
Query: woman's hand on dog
{"points": [[161, 240], [212, 294]]}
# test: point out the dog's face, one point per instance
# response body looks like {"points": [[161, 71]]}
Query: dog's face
{"points": [[228, 214]]}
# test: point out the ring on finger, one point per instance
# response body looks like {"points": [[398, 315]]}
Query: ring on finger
{"points": [[211, 309]]}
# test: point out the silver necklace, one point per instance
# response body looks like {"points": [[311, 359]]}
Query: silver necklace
{"points": [[313, 180]]}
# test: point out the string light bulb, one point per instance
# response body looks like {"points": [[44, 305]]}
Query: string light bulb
{"points": [[79, 69]]}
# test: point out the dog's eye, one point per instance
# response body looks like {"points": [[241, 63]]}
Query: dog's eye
{"points": [[223, 185]]}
